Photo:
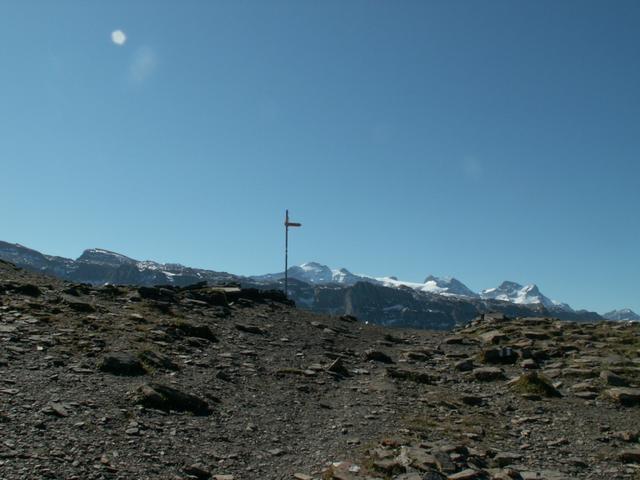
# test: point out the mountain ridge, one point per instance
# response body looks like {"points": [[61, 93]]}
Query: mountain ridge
{"points": [[437, 303]]}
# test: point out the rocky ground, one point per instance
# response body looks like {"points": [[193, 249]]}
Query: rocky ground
{"points": [[199, 382]]}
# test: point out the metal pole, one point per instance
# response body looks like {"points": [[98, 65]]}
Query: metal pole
{"points": [[286, 255]]}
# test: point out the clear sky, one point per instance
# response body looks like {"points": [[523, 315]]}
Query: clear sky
{"points": [[486, 140]]}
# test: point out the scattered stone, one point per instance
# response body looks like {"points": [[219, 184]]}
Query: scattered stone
{"points": [[194, 330], [198, 470], [56, 409], [338, 368], [488, 374], [302, 476], [504, 459], [468, 474], [411, 375], [251, 329], [157, 360]]}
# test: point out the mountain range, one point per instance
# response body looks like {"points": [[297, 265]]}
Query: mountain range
{"points": [[317, 274], [99, 266], [441, 303]]}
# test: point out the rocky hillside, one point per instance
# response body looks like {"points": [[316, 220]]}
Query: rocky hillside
{"points": [[227, 383]]}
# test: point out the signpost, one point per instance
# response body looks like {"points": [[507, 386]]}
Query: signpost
{"points": [[287, 224]]}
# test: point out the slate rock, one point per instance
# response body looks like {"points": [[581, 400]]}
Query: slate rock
{"points": [[198, 470], [488, 374], [505, 355], [121, 363], [163, 397], [612, 379], [377, 356], [627, 397], [28, 289], [157, 360], [194, 330], [630, 456], [465, 365]]}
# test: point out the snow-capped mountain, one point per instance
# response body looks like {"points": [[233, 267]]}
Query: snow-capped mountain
{"points": [[316, 274], [447, 286], [626, 314], [525, 295]]}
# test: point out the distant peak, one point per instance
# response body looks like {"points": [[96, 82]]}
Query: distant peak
{"points": [[507, 284], [101, 255], [533, 289], [313, 264]]}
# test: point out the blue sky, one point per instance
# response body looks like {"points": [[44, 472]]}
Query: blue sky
{"points": [[487, 140]]}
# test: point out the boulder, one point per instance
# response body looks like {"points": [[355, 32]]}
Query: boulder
{"points": [[531, 383], [121, 363], [377, 356], [630, 456], [612, 379], [79, 306], [163, 397], [194, 330], [505, 355], [465, 365], [157, 293], [28, 289], [627, 397]]}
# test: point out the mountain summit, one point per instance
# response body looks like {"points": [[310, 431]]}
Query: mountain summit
{"points": [[450, 285], [515, 293]]}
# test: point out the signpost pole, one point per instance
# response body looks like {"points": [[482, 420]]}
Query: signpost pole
{"points": [[287, 224], [286, 255]]}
